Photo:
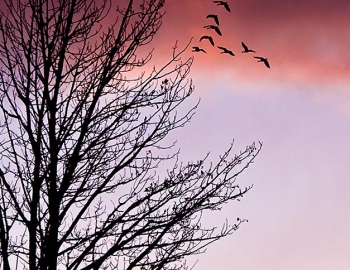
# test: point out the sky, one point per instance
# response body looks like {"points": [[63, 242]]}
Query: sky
{"points": [[298, 209]]}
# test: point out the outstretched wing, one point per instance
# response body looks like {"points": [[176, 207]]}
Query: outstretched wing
{"points": [[230, 52], [211, 40], [244, 46], [266, 63], [226, 6], [217, 30], [215, 17], [208, 38], [197, 49]]}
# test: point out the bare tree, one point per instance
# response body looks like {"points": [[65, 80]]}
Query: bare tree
{"points": [[82, 129]]}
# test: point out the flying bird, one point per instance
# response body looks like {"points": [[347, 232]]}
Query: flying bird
{"points": [[246, 50], [214, 27], [223, 3], [264, 60], [215, 17], [224, 50], [197, 49], [208, 38]]}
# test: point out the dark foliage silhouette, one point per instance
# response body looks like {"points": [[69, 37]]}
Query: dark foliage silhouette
{"points": [[83, 117]]}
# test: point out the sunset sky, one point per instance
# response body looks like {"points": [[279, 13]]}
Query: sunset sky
{"points": [[298, 210], [299, 207]]}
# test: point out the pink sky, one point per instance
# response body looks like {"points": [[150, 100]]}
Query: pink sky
{"points": [[298, 210], [306, 41]]}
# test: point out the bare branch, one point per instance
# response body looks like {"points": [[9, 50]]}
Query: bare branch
{"points": [[82, 125]]}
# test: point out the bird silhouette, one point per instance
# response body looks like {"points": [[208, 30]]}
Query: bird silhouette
{"points": [[197, 49], [246, 50], [264, 60], [224, 50], [215, 17], [208, 38], [223, 3], [214, 27]]}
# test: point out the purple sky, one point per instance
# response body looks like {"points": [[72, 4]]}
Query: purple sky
{"points": [[299, 207], [298, 210]]}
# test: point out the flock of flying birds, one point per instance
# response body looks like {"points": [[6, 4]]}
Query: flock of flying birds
{"points": [[217, 30]]}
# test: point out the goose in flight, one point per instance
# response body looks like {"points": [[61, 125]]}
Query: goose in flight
{"points": [[224, 50], [264, 60], [223, 3], [215, 17], [246, 50], [214, 27], [208, 38], [197, 49]]}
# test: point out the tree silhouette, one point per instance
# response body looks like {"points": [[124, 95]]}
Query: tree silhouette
{"points": [[81, 142]]}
